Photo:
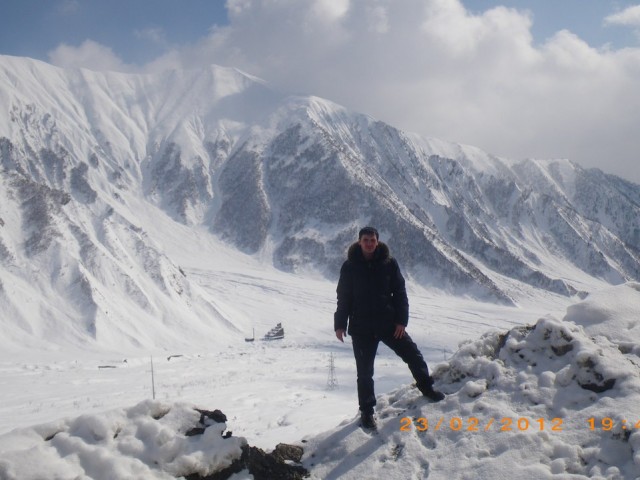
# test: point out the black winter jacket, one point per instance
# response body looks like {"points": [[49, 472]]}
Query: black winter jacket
{"points": [[372, 297]]}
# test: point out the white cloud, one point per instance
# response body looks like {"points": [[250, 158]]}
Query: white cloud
{"points": [[432, 67], [89, 54], [330, 9], [629, 16]]}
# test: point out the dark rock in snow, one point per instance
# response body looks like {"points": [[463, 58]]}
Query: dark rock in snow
{"points": [[262, 465], [281, 464]]}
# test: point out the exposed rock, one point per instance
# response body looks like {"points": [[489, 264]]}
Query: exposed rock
{"points": [[281, 464], [263, 466], [5, 254], [286, 452], [181, 187], [40, 204], [80, 184], [207, 417], [599, 388]]}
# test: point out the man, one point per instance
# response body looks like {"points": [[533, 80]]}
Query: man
{"points": [[372, 300]]}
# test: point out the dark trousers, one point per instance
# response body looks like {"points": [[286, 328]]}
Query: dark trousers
{"points": [[365, 348]]}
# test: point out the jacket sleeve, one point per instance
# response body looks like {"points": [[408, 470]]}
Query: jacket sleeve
{"points": [[345, 298], [400, 299]]}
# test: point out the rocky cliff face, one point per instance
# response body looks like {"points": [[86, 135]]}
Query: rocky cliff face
{"points": [[459, 222], [290, 178]]}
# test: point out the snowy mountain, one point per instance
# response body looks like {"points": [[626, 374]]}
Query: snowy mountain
{"points": [[97, 169]]}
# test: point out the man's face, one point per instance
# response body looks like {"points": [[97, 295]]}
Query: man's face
{"points": [[368, 243]]}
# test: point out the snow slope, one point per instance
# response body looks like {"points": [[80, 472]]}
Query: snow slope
{"points": [[553, 399], [558, 399]]}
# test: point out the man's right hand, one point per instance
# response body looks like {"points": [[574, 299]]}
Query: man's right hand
{"points": [[341, 333]]}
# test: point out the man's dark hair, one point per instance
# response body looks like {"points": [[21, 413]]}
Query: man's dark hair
{"points": [[368, 231]]}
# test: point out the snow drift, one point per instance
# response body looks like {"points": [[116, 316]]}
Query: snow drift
{"points": [[560, 397]]}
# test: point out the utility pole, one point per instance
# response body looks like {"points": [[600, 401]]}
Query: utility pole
{"points": [[153, 381], [332, 381]]}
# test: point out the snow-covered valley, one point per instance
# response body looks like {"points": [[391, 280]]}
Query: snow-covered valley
{"points": [[232, 375]]}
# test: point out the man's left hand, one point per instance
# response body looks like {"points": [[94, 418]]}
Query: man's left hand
{"points": [[399, 333]]}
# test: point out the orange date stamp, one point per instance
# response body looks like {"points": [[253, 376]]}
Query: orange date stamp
{"points": [[474, 424]]}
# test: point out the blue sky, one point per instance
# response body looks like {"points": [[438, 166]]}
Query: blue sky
{"points": [[136, 30], [585, 18], [139, 30], [517, 78]]}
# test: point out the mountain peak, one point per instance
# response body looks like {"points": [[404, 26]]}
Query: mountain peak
{"points": [[84, 157]]}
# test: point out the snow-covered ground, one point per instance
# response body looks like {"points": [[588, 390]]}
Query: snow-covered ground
{"points": [[95, 415], [294, 371], [561, 400], [277, 391]]}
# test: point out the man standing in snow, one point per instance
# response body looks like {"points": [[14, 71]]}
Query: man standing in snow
{"points": [[372, 299]]}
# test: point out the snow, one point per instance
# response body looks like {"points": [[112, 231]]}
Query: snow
{"points": [[611, 312], [145, 441], [515, 407], [121, 286], [520, 406]]}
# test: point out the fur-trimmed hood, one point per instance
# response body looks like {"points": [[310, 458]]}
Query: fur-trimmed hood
{"points": [[382, 254], [372, 297]]}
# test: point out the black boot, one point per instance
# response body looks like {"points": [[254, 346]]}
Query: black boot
{"points": [[430, 393], [367, 421]]}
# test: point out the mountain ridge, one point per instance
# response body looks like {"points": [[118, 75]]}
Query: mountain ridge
{"points": [[289, 178]]}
